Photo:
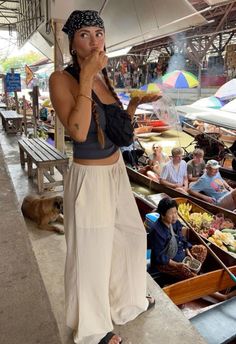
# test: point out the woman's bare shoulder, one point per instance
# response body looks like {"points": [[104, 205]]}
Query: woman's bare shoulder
{"points": [[62, 80], [61, 75]]}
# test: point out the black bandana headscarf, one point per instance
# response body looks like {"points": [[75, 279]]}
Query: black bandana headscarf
{"points": [[79, 19]]}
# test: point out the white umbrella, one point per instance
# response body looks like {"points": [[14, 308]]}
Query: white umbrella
{"points": [[227, 91], [231, 106]]}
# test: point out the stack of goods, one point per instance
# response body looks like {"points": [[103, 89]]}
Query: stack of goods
{"points": [[215, 228], [230, 56]]}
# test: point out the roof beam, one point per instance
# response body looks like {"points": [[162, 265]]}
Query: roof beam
{"points": [[219, 26]]}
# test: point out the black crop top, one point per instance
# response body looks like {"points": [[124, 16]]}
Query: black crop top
{"points": [[91, 149]]}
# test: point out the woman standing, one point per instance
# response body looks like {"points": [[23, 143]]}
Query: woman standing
{"points": [[105, 273]]}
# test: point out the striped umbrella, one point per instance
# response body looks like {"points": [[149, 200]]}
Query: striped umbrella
{"points": [[152, 87], [180, 79]]}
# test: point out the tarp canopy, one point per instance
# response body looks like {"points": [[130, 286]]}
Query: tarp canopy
{"points": [[190, 109], [231, 107], [219, 118], [131, 22]]}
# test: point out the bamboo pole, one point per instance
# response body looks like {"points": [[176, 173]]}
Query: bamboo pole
{"points": [[24, 116]]}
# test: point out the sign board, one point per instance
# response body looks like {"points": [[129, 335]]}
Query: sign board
{"points": [[12, 82]]}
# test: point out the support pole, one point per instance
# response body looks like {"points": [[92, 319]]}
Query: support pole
{"points": [[5, 92], [35, 96], [199, 80], [58, 65], [15, 96], [24, 116]]}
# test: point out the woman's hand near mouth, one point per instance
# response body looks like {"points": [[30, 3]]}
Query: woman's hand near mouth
{"points": [[94, 63]]}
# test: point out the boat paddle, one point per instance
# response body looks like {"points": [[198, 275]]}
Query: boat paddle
{"points": [[232, 276]]}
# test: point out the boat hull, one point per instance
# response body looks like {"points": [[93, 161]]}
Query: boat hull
{"points": [[211, 280], [146, 206], [141, 179], [199, 286]]}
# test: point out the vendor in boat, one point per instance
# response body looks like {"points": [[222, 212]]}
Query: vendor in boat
{"points": [[174, 172], [196, 166], [168, 245], [51, 118], [43, 113], [156, 162], [212, 188]]}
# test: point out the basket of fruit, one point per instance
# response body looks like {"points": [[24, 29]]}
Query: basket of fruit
{"points": [[216, 229]]}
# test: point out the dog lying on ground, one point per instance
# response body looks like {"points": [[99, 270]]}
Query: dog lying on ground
{"points": [[44, 210]]}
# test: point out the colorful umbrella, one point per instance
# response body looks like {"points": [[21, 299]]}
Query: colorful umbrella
{"points": [[124, 97], [227, 91], [180, 79], [152, 87], [208, 102]]}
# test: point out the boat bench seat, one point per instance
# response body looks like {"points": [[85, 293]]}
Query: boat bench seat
{"points": [[218, 324], [45, 157]]}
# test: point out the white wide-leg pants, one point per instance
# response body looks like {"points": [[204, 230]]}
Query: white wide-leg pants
{"points": [[105, 272]]}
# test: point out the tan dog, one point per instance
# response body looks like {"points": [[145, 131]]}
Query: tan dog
{"points": [[44, 210]]}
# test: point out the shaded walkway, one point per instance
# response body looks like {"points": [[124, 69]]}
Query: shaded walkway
{"points": [[26, 316]]}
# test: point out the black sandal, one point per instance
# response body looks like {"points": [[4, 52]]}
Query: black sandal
{"points": [[151, 303], [107, 338]]}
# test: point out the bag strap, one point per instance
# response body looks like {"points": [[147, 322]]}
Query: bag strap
{"points": [[167, 245]]}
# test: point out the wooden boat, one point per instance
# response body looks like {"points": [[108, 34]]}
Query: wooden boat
{"points": [[228, 258], [226, 172], [143, 129], [199, 286], [158, 126], [223, 136], [212, 279], [145, 206], [161, 129], [141, 179]]}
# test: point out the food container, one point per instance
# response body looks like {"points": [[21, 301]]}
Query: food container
{"points": [[193, 264]]}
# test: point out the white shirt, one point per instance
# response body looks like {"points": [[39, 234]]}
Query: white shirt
{"points": [[170, 174]]}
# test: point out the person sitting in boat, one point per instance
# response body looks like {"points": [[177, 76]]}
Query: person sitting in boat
{"points": [[132, 153], [168, 245], [174, 172], [196, 166], [156, 162], [212, 188]]}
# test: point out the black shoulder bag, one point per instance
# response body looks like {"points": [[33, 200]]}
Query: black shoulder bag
{"points": [[119, 127]]}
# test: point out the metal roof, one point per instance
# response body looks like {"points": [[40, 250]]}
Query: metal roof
{"points": [[9, 11]]}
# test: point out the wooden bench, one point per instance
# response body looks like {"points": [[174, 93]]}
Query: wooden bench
{"points": [[11, 121], [46, 158]]}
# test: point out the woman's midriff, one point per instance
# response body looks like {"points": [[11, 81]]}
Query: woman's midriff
{"points": [[98, 162]]}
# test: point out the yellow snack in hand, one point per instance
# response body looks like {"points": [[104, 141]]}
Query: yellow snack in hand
{"points": [[138, 93], [141, 94]]}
